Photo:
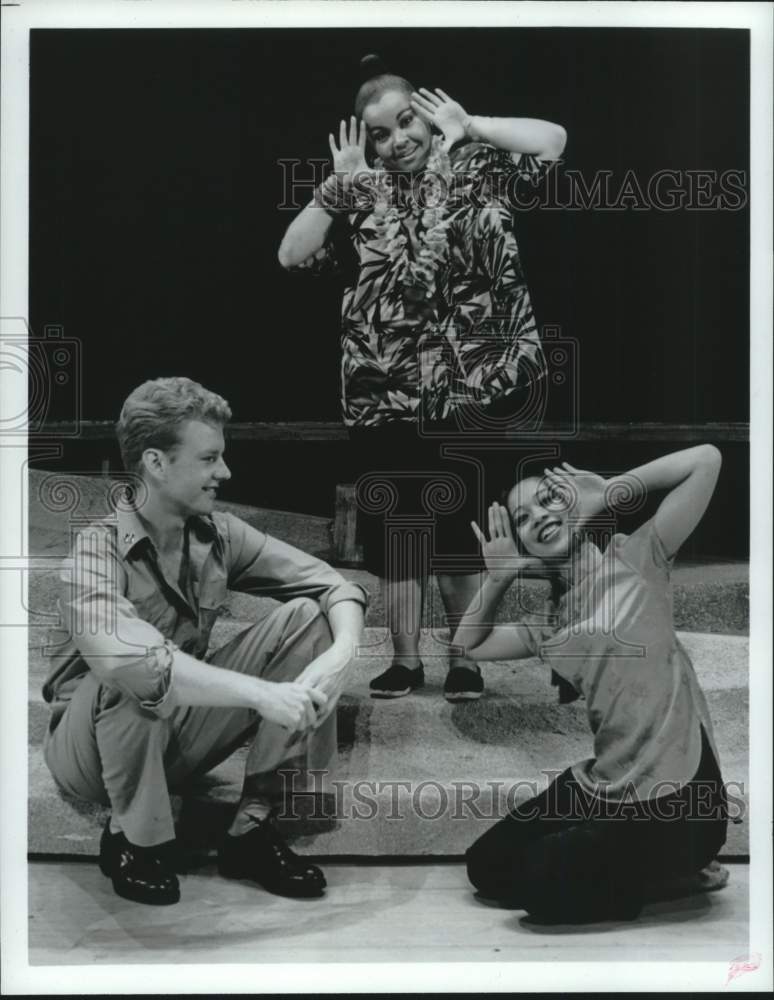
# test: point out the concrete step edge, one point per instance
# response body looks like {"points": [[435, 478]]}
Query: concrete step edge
{"points": [[427, 817]]}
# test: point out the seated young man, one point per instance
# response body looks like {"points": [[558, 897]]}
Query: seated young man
{"points": [[139, 706]]}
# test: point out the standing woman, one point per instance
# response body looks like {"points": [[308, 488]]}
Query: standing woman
{"points": [[436, 319]]}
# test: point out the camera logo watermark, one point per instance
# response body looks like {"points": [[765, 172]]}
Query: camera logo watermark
{"points": [[41, 378]]}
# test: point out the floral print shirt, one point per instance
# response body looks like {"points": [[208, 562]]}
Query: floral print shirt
{"points": [[465, 334]]}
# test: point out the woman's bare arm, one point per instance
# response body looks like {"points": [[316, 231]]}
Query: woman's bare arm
{"points": [[533, 136], [476, 633], [305, 235], [689, 476], [308, 232], [480, 638]]}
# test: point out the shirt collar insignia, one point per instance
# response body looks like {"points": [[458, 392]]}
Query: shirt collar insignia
{"points": [[132, 531]]}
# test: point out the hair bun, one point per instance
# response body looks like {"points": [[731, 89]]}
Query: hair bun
{"points": [[371, 66]]}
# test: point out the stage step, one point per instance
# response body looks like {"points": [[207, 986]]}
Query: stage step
{"points": [[415, 776], [710, 596], [404, 762]]}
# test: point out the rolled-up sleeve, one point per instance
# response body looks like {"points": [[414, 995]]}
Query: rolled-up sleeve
{"points": [[118, 646], [267, 567]]}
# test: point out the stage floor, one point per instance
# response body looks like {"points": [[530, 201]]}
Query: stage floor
{"points": [[371, 913]]}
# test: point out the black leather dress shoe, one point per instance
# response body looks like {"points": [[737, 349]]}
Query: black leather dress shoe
{"points": [[263, 856], [137, 873]]}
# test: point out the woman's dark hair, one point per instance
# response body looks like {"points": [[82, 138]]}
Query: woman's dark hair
{"points": [[377, 81]]}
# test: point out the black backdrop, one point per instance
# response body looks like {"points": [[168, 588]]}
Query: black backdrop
{"points": [[155, 185]]}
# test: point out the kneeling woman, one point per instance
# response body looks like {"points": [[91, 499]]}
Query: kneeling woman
{"points": [[649, 805]]}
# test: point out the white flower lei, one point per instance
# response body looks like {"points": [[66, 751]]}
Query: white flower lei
{"points": [[418, 276]]}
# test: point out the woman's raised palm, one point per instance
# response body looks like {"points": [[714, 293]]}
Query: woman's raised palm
{"points": [[582, 493], [501, 555], [349, 155], [443, 111]]}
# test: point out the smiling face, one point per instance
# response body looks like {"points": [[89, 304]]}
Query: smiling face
{"points": [[398, 135], [539, 519], [188, 476]]}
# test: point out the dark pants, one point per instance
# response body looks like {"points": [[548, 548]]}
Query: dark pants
{"points": [[566, 857], [415, 502]]}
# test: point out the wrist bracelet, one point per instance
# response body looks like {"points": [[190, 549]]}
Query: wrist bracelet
{"points": [[331, 195], [339, 194]]}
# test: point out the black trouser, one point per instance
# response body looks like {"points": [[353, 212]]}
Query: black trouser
{"points": [[564, 856]]}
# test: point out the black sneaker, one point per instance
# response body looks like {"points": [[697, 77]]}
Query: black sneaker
{"points": [[397, 681], [463, 684], [141, 874]]}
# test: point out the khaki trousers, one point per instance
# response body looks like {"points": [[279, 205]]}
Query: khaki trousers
{"points": [[107, 749]]}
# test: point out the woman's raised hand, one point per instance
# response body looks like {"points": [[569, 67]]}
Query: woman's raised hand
{"points": [[503, 560], [583, 494], [349, 155], [446, 114]]}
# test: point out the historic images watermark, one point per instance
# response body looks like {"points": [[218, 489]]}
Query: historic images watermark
{"points": [[315, 795], [562, 189]]}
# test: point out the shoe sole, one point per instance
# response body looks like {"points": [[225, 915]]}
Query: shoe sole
{"points": [[464, 696], [312, 893], [138, 897], [376, 693]]}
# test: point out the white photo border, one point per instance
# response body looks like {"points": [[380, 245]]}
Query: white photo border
{"points": [[17, 975]]}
